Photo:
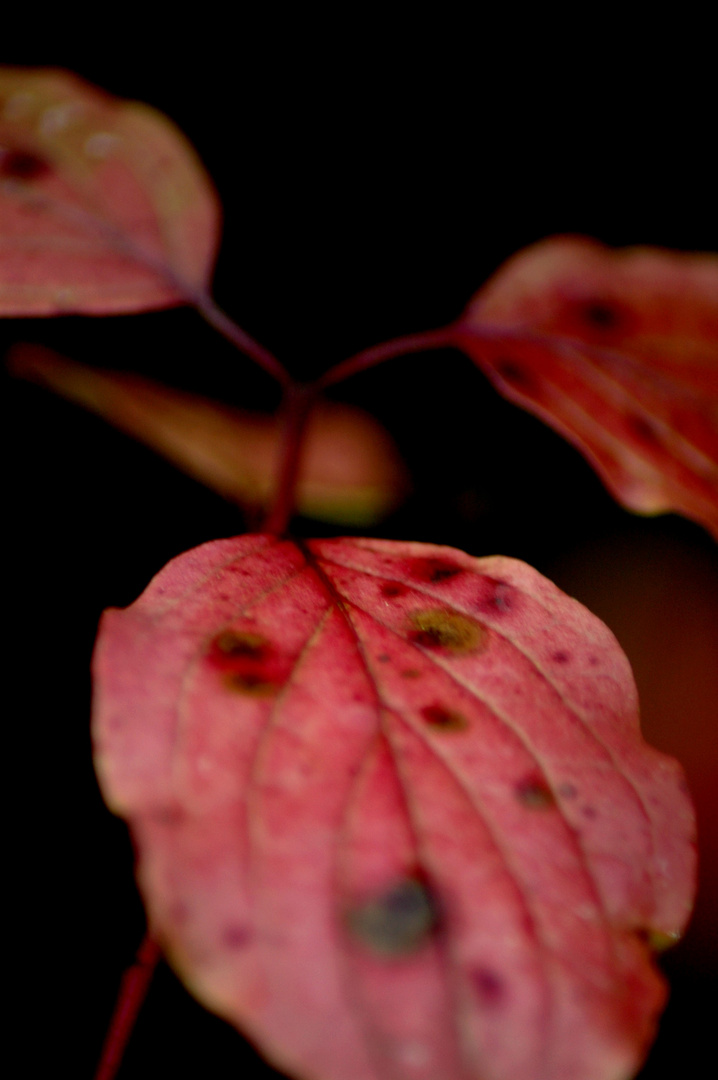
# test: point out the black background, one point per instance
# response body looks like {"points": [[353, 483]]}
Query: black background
{"points": [[373, 174]]}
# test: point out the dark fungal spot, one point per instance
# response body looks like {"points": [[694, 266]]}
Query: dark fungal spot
{"points": [[534, 793], [21, 165], [247, 682], [516, 375], [390, 589], [488, 986], [589, 812], [396, 923], [383, 658], [446, 719], [436, 628], [433, 571], [232, 643], [642, 429], [247, 662], [411, 673], [496, 597], [601, 314], [235, 936], [560, 657], [658, 940]]}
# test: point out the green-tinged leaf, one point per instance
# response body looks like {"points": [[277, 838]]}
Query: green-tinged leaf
{"points": [[104, 205], [351, 471]]}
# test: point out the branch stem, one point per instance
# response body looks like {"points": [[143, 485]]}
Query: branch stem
{"points": [[387, 350], [298, 402], [133, 991], [221, 322]]}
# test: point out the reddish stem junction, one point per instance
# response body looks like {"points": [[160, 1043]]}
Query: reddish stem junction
{"points": [[299, 399]]}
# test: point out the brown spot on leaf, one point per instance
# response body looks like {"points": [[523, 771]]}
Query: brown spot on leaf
{"points": [[432, 570], [438, 628], [659, 940], [535, 793], [643, 429], [488, 986], [247, 682], [390, 589], [233, 643], [560, 657], [396, 923], [446, 719], [235, 936], [496, 597], [411, 673], [21, 165], [247, 662], [601, 314], [516, 375]]}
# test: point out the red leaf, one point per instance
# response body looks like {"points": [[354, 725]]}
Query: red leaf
{"points": [[104, 205], [393, 813], [618, 351]]}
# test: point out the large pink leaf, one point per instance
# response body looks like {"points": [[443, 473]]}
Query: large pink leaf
{"points": [[393, 813], [618, 351], [104, 206]]}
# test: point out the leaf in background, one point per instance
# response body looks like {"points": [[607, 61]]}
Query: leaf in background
{"points": [[352, 473], [618, 351], [104, 205], [393, 813]]}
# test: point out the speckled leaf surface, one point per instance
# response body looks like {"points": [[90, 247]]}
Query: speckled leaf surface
{"points": [[393, 813], [618, 351], [104, 205]]}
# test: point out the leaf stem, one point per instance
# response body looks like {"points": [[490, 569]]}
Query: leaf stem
{"points": [[298, 402], [300, 398], [133, 991], [387, 350], [220, 321]]}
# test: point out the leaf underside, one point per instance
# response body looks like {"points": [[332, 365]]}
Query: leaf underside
{"points": [[393, 813], [618, 351]]}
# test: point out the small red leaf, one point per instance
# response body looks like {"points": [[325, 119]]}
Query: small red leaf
{"points": [[618, 351], [104, 205], [392, 809]]}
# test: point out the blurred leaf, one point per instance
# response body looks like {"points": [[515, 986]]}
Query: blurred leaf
{"points": [[618, 351], [351, 473], [104, 205]]}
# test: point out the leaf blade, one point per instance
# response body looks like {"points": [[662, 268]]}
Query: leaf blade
{"points": [[104, 204], [617, 350], [353, 845]]}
